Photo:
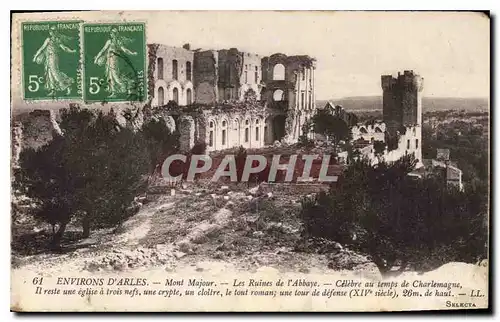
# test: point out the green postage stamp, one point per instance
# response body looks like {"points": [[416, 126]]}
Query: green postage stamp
{"points": [[114, 62], [51, 60]]}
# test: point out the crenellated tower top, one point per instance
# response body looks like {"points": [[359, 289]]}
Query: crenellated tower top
{"points": [[402, 99]]}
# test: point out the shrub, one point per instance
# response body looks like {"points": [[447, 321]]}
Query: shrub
{"points": [[91, 173], [332, 126], [379, 147], [160, 142], [394, 218]]}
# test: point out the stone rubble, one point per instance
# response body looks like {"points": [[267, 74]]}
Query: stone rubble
{"points": [[122, 259]]}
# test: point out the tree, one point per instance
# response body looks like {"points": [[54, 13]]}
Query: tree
{"points": [[332, 126], [399, 220], [43, 177], [160, 142], [304, 140], [379, 148], [93, 172]]}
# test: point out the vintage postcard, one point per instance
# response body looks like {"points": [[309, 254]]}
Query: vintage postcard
{"points": [[250, 161]]}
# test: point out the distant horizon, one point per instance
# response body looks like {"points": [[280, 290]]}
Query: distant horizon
{"points": [[433, 97], [46, 105]]}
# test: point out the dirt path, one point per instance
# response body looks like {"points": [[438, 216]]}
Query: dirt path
{"points": [[195, 229]]}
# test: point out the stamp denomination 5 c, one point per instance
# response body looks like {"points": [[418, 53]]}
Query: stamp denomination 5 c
{"points": [[51, 60], [114, 62]]}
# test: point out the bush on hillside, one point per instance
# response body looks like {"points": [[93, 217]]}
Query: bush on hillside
{"points": [[399, 220], [92, 172]]}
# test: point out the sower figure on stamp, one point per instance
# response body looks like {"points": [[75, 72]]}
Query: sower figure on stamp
{"points": [[48, 55], [109, 56]]}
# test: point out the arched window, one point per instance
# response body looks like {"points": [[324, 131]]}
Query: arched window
{"points": [[247, 131], [224, 132], [211, 134], [176, 95], [175, 66], [189, 97], [161, 96], [278, 95], [363, 130], [188, 70], [279, 72], [378, 130], [160, 68]]}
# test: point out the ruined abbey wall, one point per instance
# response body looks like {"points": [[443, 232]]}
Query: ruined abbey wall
{"points": [[211, 78]]}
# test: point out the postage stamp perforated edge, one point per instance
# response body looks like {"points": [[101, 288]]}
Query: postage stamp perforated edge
{"points": [[145, 51], [20, 25]]}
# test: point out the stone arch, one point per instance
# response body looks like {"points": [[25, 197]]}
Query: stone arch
{"points": [[363, 130], [378, 130], [224, 128], [189, 96], [279, 72], [279, 122], [211, 134], [235, 131], [258, 130], [175, 95], [246, 131], [161, 96], [278, 95]]}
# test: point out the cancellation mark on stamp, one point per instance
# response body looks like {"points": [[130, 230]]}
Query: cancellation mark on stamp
{"points": [[114, 63]]}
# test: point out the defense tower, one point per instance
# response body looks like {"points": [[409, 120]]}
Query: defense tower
{"points": [[402, 100]]}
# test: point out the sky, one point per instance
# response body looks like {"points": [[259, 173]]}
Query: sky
{"points": [[353, 49], [451, 51]]}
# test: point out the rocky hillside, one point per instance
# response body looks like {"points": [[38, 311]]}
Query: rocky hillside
{"points": [[240, 227]]}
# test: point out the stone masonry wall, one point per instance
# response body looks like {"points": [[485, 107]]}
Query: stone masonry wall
{"points": [[205, 74]]}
